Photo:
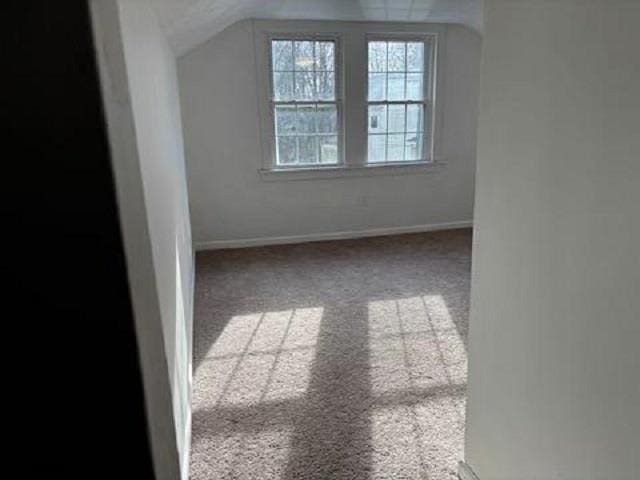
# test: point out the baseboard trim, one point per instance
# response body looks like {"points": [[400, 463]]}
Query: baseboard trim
{"points": [[465, 472], [317, 237]]}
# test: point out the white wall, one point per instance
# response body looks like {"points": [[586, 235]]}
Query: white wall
{"points": [[555, 319], [139, 81], [231, 201]]}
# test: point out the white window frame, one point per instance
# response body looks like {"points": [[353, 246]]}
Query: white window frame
{"points": [[300, 36], [429, 82], [351, 57]]}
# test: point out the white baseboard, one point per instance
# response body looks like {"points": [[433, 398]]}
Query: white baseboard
{"points": [[316, 237], [465, 472]]}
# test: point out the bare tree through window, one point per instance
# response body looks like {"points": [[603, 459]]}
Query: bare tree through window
{"points": [[304, 101]]}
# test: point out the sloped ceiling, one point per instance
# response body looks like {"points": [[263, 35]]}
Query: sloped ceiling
{"points": [[189, 23]]}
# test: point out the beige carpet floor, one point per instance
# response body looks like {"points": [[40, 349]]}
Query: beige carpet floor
{"points": [[332, 360]]}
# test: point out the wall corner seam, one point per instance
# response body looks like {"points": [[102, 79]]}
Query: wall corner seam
{"points": [[465, 472]]}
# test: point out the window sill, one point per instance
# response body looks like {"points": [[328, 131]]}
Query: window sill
{"points": [[386, 169]]}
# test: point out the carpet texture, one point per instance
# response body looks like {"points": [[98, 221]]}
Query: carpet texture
{"points": [[332, 360]]}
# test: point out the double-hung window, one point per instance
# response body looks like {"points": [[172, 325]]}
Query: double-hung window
{"points": [[386, 79], [305, 101], [399, 100]]}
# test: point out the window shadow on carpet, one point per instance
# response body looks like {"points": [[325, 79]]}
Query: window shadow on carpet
{"points": [[332, 361]]}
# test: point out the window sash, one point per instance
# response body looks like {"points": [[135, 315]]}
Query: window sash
{"points": [[316, 134], [425, 133]]}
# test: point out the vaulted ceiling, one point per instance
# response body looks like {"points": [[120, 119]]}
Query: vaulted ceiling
{"points": [[188, 23]]}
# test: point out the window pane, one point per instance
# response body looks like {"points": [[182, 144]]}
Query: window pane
{"points": [[307, 149], [377, 148], [328, 147], [282, 86], [327, 119], [377, 56], [377, 119], [395, 149], [325, 84], [285, 120], [396, 118], [306, 119], [303, 51], [413, 146], [396, 86], [304, 89], [415, 56], [325, 56], [415, 119], [282, 52], [286, 150], [377, 86], [414, 86], [396, 53]]}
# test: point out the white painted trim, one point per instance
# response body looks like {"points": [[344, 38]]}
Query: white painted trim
{"points": [[369, 170], [465, 472], [317, 237]]}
